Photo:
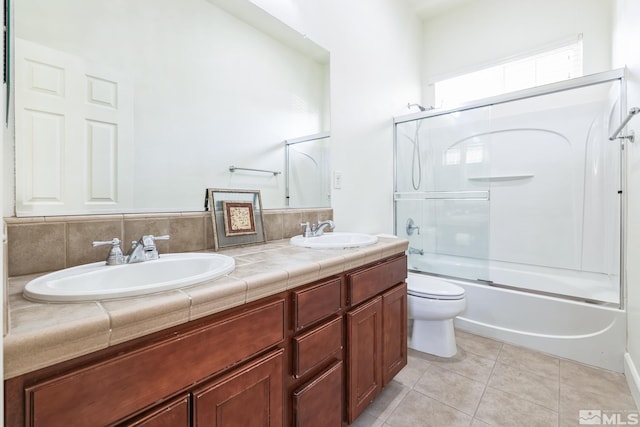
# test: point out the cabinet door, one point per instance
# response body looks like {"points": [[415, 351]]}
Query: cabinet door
{"points": [[175, 413], [250, 396], [364, 335], [394, 332], [319, 402]]}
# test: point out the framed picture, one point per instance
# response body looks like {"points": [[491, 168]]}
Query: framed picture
{"points": [[237, 217]]}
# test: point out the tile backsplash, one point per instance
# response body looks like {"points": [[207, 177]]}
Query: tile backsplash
{"points": [[42, 244]]}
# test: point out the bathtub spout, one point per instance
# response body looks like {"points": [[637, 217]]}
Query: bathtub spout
{"points": [[413, 250]]}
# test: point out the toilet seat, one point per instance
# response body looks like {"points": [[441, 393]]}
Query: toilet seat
{"points": [[435, 289]]}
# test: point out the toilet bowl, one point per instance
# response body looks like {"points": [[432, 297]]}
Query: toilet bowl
{"points": [[432, 303]]}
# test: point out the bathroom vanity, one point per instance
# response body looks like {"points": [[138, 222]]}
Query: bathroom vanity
{"points": [[296, 352]]}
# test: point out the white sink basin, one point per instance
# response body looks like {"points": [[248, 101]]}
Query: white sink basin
{"points": [[97, 281], [335, 240]]}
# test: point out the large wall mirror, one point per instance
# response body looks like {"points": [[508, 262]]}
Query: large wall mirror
{"points": [[138, 106]]}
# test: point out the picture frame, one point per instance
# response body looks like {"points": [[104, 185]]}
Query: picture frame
{"points": [[237, 217]]}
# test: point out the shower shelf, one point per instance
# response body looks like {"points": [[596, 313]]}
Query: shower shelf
{"points": [[501, 177], [473, 195]]}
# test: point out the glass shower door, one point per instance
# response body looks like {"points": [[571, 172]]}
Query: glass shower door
{"points": [[524, 193], [443, 213]]}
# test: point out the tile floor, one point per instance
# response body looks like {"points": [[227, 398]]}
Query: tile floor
{"points": [[490, 383]]}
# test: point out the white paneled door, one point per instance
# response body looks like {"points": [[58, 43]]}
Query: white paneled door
{"points": [[74, 134]]}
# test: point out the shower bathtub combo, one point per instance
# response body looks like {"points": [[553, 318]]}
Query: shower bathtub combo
{"points": [[518, 200]]}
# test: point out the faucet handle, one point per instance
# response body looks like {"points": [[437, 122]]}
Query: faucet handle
{"points": [[115, 256], [307, 229], [114, 242], [149, 240]]}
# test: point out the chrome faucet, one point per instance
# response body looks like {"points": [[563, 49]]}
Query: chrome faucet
{"points": [[415, 251], [144, 249], [322, 225], [316, 230]]}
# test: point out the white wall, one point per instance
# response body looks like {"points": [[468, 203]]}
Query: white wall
{"points": [[375, 52], [478, 33], [626, 51]]}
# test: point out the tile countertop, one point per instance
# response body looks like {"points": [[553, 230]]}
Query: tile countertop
{"points": [[43, 334]]}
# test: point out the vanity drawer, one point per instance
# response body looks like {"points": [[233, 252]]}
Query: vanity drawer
{"points": [[369, 282], [319, 402], [111, 390], [315, 303], [316, 345]]}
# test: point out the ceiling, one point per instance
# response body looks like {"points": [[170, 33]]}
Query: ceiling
{"points": [[429, 8]]}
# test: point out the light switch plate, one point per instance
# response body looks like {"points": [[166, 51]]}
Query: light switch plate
{"points": [[337, 180]]}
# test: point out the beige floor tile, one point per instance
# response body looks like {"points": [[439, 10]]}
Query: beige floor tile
{"points": [[366, 420], [411, 373], [388, 400], [536, 362], [602, 417], [591, 379], [525, 388], [522, 383], [498, 408], [574, 399], [417, 409], [464, 363], [485, 347], [452, 389]]}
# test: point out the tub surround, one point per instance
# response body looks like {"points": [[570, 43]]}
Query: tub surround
{"points": [[41, 335]]}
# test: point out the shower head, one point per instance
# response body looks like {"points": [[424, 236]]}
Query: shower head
{"points": [[409, 105]]}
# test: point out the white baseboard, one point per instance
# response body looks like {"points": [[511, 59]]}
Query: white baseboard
{"points": [[633, 378]]}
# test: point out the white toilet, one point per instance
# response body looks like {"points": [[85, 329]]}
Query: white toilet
{"points": [[433, 302]]}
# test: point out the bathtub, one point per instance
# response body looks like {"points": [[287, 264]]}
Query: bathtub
{"points": [[590, 333], [579, 285]]}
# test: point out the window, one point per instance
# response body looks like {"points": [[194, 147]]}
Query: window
{"points": [[560, 63]]}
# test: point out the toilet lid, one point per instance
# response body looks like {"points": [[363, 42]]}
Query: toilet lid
{"points": [[435, 288]]}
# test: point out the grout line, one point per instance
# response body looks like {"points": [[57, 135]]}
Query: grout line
{"points": [[390, 409], [486, 385]]}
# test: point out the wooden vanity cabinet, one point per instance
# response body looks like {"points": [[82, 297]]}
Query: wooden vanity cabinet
{"points": [[394, 332], [316, 380], [249, 397], [364, 334], [318, 403], [115, 387], [175, 413], [376, 331], [313, 356]]}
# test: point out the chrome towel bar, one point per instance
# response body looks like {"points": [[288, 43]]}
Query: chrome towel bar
{"points": [[234, 168], [631, 136]]}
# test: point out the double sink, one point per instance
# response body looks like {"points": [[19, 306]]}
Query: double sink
{"points": [[97, 281]]}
